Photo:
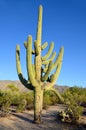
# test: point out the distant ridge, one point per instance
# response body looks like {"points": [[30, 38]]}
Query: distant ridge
{"points": [[17, 83], [61, 88], [5, 83]]}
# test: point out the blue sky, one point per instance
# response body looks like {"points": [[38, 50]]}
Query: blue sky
{"points": [[64, 22]]}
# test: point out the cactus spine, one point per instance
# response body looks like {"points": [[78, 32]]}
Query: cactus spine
{"points": [[39, 78]]}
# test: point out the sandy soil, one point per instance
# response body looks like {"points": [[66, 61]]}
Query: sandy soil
{"points": [[24, 121]]}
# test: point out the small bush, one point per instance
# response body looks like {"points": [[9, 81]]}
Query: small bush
{"points": [[30, 100], [5, 102], [21, 106], [73, 98], [46, 101], [71, 114], [49, 99], [13, 88]]}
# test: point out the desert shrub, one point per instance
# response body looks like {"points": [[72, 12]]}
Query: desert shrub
{"points": [[5, 102], [71, 114], [80, 95], [46, 100], [18, 99], [30, 100], [49, 99], [13, 88], [21, 106], [73, 98], [76, 93], [23, 101], [15, 94], [20, 102], [53, 98], [15, 99]]}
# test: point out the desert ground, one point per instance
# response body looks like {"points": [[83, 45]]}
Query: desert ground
{"points": [[24, 121]]}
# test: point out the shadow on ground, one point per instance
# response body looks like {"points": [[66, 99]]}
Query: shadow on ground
{"points": [[24, 121]]}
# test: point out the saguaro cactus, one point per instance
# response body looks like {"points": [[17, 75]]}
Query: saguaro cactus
{"points": [[39, 72]]}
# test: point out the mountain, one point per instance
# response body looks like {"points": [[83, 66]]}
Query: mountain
{"points": [[5, 83], [61, 88]]}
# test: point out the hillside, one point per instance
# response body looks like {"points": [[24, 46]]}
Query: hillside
{"points": [[5, 83]]}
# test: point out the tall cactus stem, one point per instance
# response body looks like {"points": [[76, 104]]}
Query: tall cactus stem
{"points": [[39, 27]]}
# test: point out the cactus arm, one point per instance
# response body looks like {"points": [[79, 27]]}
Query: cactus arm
{"points": [[19, 71], [60, 57], [25, 82], [52, 79], [33, 52], [45, 77], [18, 65], [29, 64], [57, 94], [25, 45], [58, 62], [46, 63], [44, 46], [36, 47], [55, 76], [49, 52], [51, 59]]}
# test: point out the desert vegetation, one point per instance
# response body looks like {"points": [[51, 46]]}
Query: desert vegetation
{"points": [[75, 101], [12, 100]]}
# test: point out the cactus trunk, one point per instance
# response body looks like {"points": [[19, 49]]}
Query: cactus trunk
{"points": [[38, 103], [39, 72]]}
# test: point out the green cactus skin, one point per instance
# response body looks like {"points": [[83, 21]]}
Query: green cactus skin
{"points": [[39, 72]]}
